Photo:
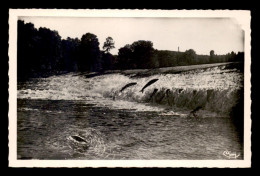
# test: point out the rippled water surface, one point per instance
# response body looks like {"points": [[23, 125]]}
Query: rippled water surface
{"points": [[52, 110], [45, 125]]}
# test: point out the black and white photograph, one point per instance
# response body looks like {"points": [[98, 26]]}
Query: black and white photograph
{"points": [[129, 88]]}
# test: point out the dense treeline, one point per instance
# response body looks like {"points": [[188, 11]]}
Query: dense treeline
{"points": [[189, 57], [42, 52]]}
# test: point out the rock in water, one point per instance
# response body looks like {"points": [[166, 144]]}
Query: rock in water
{"points": [[78, 139]]}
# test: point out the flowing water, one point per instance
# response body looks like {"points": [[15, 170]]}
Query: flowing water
{"points": [[116, 125]]}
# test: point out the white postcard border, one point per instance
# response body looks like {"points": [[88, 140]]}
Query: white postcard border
{"points": [[243, 17]]}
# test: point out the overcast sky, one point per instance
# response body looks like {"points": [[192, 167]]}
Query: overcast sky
{"points": [[222, 35]]}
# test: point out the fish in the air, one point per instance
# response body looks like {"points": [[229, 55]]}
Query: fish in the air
{"points": [[148, 84], [128, 85], [154, 92]]}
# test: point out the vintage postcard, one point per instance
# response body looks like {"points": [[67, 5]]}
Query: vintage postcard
{"points": [[129, 88]]}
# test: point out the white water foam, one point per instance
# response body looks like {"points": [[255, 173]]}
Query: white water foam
{"points": [[104, 90]]}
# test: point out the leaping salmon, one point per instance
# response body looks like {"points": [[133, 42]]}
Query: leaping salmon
{"points": [[148, 84], [128, 85], [154, 92]]}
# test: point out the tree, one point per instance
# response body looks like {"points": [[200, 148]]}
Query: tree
{"points": [[108, 44], [142, 53], [108, 61], [240, 57], [49, 49], [211, 57], [124, 59], [165, 58], [137, 55], [26, 53], [212, 53], [89, 53], [188, 57], [70, 53], [39, 51]]}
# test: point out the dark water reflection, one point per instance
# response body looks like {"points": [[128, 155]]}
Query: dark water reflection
{"points": [[44, 127]]}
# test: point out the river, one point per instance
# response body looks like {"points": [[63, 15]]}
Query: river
{"points": [[129, 124]]}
